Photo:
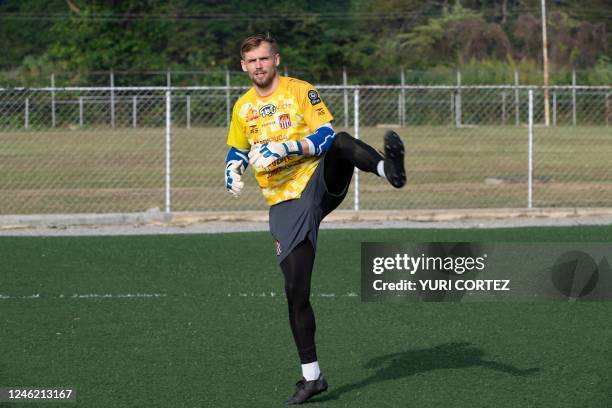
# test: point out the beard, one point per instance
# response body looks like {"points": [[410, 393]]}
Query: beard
{"points": [[266, 80]]}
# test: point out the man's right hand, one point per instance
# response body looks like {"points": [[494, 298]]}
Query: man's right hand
{"points": [[233, 177]]}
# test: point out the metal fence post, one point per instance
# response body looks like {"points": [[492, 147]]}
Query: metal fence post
{"points": [[458, 119], [356, 124], [452, 108], [530, 153], [228, 106], [503, 95], [53, 120], [112, 98], [345, 90], [188, 111], [168, 135], [80, 111], [554, 118], [27, 113], [134, 111], [517, 115], [402, 104], [573, 97]]}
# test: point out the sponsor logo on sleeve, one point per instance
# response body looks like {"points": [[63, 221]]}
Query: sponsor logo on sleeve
{"points": [[267, 110], [284, 121], [252, 115], [321, 111], [314, 97]]}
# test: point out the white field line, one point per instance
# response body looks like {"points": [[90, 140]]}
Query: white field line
{"points": [[85, 296], [154, 295], [274, 294]]}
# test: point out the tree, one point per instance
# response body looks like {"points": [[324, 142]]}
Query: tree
{"points": [[453, 38], [571, 43], [19, 38]]}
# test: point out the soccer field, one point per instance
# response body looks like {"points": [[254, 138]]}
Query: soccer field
{"points": [[122, 170], [200, 321]]}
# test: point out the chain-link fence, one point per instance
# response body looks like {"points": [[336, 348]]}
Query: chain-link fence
{"points": [[132, 149]]}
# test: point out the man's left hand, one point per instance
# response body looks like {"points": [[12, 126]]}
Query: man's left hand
{"points": [[263, 155]]}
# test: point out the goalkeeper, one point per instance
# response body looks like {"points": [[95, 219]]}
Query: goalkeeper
{"points": [[283, 129]]}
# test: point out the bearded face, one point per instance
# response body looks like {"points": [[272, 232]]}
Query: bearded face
{"points": [[260, 64]]}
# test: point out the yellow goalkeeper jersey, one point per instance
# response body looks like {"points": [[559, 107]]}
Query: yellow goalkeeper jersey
{"points": [[293, 111]]}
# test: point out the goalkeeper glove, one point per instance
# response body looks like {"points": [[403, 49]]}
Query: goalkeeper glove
{"points": [[265, 154], [235, 165], [233, 178]]}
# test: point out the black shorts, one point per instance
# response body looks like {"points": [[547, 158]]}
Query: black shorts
{"points": [[292, 221]]}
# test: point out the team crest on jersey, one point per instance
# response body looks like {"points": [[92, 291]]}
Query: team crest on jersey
{"points": [[267, 110], [278, 248], [284, 121], [314, 97]]}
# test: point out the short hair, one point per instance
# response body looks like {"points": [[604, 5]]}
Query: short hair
{"points": [[255, 41]]}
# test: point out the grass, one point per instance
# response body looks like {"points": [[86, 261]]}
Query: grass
{"points": [[215, 337], [123, 170]]}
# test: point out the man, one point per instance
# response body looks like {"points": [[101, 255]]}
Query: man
{"points": [[282, 127]]}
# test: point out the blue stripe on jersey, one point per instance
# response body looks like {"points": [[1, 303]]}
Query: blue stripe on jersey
{"points": [[322, 139]]}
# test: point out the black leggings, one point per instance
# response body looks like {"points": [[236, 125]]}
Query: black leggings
{"points": [[344, 155], [297, 269]]}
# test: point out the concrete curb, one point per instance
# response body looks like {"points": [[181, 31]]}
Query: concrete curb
{"points": [[184, 219]]}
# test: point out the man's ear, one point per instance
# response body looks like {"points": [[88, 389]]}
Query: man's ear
{"points": [[277, 60], [243, 64]]}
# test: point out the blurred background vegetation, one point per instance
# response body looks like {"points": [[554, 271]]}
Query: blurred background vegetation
{"points": [[80, 42]]}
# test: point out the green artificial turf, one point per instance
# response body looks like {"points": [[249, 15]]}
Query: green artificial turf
{"points": [[206, 326]]}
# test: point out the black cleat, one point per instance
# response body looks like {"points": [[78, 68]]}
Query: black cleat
{"points": [[394, 159], [306, 389]]}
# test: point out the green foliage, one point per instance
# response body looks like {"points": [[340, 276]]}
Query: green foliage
{"points": [[20, 38], [81, 41], [494, 72], [107, 44], [423, 44], [601, 72]]}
